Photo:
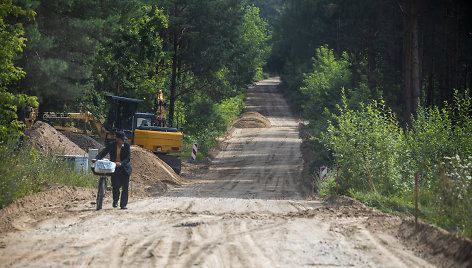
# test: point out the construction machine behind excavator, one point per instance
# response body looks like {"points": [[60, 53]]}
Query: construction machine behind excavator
{"points": [[82, 122]]}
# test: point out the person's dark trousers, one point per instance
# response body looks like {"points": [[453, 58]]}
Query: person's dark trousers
{"points": [[120, 179]]}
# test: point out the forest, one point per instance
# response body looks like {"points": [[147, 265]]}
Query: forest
{"points": [[385, 87], [69, 54], [384, 84]]}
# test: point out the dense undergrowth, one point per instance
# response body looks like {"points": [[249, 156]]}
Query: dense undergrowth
{"points": [[372, 155], [377, 160], [205, 130], [25, 171]]}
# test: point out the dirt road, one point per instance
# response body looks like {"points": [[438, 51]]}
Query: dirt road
{"points": [[245, 210], [262, 163]]}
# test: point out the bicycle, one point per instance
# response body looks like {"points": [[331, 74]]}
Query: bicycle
{"points": [[102, 182]]}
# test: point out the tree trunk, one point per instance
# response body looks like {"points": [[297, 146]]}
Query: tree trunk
{"points": [[412, 53], [430, 89], [444, 70], [371, 53], [173, 79], [416, 79], [173, 85], [406, 63]]}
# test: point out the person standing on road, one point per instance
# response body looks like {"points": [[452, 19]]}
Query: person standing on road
{"points": [[120, 153]]}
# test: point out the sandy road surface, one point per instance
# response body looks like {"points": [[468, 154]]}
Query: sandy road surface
{"points": [[245, 211], [263, 163]]}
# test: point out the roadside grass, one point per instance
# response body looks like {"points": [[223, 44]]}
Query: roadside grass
{"points": [[398, 204], [24, 171], [395, 204], [436, 208]]}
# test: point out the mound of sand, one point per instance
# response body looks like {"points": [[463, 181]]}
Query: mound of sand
{"points": [[442, 248], [149, 170], [83, 141], [48, 140], [251, 120], [33, 208]]}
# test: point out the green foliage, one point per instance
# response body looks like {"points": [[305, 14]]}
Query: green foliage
{"points": [[11, 43], [369, 147], [254, 45], [11, 105], [60, 50], [12, 40], [327, 186], [437, 133], [269, 9], [205, 130], [323, 85], [430, 138], [25, 171], [129, 62], [377, 160]]}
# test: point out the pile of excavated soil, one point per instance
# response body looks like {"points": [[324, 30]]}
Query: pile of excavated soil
{"points": [[438, 245], [337, 201], [434, 244], [48, 140], [251, 120], [38, 206], [83, 141], [149, 170]]}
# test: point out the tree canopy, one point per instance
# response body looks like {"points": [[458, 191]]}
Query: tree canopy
{"points": [[78, 51], [12, 42], [409, 50]]}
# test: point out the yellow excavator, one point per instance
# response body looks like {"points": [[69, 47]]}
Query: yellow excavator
{"points": [[147, 130]]}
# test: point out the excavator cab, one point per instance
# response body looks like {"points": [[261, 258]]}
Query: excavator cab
{"points": [[121, 114]]}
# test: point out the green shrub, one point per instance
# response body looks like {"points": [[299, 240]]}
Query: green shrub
{"points": [[322, 86], [327, 186], [456, 194], [377, 161], [25, 171], [206, 130], [368, 146], [430, 138], [10, 126]]}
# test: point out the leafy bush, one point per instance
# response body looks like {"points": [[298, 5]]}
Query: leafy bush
{"points": [[438, 133], [322, 86], [430, 139], [455, 195], [377, 159], [25, 171], [369, 147], [331, 78], [11, 44], [11, 104], [205, 130]]}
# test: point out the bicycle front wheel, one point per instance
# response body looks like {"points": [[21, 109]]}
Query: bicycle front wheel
{"points": [[101, 192]]}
